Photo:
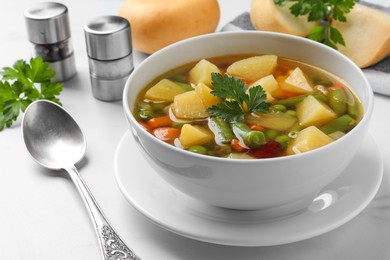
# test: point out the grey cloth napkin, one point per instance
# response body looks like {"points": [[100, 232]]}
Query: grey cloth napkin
{"points": [[378, 75]]}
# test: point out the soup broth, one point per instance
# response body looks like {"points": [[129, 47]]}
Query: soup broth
{"points": [[248, 107]]}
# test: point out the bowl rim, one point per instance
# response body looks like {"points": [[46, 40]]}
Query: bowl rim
{"points": [[134, 124]]}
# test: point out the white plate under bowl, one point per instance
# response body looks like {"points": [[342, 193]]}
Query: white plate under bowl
{"points": [[338, 202]]}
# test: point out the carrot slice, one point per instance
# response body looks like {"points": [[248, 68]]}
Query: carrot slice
{"points": [[257, 127], [145, 125], [167, 134], [235, 144], [159, 122]]}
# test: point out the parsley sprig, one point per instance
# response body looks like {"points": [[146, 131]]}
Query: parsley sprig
{"points": [[237, 100], [325, 11], [24, 83]]}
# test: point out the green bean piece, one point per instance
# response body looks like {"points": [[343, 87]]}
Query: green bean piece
{"points": [[343, 124], [145, 115], [145, 111], [221, 129], [198, 149], [251, 138], [144, 106], [337, 100], [353, 109], [179, 77], [292, 102], [185, 86], [283, 140]]}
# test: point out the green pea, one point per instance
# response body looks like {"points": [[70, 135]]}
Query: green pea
{"points": [[283, 140], [279, 107], [291, 112], [271, 134], [198, 149]]}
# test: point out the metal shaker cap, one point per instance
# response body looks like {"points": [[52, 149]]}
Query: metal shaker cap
{"points": [[47, 22], [108, 38]]}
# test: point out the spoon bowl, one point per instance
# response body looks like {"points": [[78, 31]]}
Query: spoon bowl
{"points": [[52, 137], [55, 141]]}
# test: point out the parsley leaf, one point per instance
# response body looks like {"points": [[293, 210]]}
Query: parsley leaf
{"points": [[238, 101], [324, 11], [24, 83]]}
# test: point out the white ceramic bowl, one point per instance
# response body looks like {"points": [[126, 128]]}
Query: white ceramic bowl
{"points": [[279, 185]]}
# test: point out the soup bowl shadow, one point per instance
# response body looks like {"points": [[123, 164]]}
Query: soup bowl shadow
{"points": [[281, 185]]}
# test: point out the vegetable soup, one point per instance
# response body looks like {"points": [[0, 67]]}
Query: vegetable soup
{"points": [[248, 107]]}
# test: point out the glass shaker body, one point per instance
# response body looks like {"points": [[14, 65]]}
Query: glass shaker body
{"points": [[49, 33], [110, 58]]}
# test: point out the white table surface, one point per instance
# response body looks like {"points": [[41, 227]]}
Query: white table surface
{"points": [[42, 216]]}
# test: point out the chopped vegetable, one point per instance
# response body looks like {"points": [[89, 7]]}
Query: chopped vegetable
{"points": [[221, 129], [159, 122], [251, 138], [343, 123], [253, 68], [313, 112], [198, 149], [167, 134], [278, 121], [189, 105], [293, 101], [165, 90], [201, 72], [204, 92], [337, 100], [308, 139], [236, 145], [295, 82], [194, 135], [268, 150]]}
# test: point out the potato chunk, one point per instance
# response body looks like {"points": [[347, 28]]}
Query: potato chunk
{"points": [[194, 135], [296, 82], [253, 68], [308, 139], [311, 111], [189, 105], [207, 98], [268, 83], [276, 121], [201, 72], [164, 90]]}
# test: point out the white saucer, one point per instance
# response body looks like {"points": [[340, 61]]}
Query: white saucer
{"points": [[339, 202]]}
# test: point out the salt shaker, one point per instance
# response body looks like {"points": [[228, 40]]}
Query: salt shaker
{"points": [[49, 32], [109, 50]]}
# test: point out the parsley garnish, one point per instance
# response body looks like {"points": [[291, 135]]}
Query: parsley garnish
{"points": [[23, 84], [325, 11], [237, 101]]}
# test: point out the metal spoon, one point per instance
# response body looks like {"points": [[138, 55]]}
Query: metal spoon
{"points": [[55, 141]]}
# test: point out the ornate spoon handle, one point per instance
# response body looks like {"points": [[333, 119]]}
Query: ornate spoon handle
{"points": [[112, 247]]}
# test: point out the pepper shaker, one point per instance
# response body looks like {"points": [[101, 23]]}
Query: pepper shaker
{"points": [[109, 50], [49, 32]]}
